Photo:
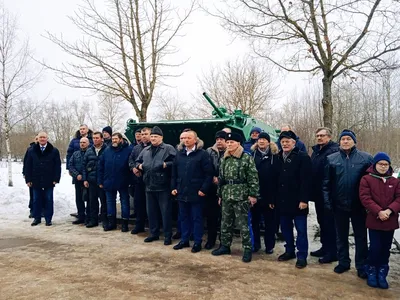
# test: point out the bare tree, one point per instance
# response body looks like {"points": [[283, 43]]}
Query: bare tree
{"points": [[244, 84], [169, 107], [16, 76], [124, 49], [112, 110], [321, 37]]}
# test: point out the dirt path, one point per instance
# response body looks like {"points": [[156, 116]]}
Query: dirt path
{"points": [[70, 262]]}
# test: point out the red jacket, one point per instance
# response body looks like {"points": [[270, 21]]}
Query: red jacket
{"points": [[377, 195]]}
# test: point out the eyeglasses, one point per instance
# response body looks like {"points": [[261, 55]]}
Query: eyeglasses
{"points": [[320, 135], [383, 164]]}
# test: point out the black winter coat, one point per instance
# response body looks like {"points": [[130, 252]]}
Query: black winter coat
{"points": [[267, 168], [90, 163], [294, 182], [318, 159], [342, 177], [42, 169], [26, 156], [155, 176], [192, 173], [74, 144], [75, 165], [215, 156]]}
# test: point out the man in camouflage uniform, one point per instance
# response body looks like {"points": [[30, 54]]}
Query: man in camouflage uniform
{"points": [[237, 190]]}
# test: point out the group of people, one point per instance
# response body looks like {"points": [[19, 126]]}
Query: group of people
{"points": [[247, 182]]}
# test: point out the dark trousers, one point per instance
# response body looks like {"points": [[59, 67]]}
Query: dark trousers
{"points": [[111, 197], [192, 215], [300, 222], [40, 196], [31, 201], [380, 243], [270, 226], [81, 196], [213, 214], [96, 193], [159, 202], [342, 224], [139, 202], [326, 223]]}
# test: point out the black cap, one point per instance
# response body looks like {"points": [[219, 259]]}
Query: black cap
{"points": [[233, 136], [264, 135], [288, 134], [221, 134], [156, 130], [107, 129]]}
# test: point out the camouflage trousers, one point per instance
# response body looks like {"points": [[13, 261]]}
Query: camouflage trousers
{"points": [[240, 211]]}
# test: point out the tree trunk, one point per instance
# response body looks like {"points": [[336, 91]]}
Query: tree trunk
{"points": [[8, 147], [327, 104], [143, 112]]}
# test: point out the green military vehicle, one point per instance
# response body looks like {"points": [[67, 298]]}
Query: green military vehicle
{"points": [[205, 128]]}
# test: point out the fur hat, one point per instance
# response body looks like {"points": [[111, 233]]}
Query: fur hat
{"points": [[156, 130], [233, 136], [288, 134], [220, 134]]}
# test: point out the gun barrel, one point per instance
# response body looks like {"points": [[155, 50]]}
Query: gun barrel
{"points": [[217, 110]]}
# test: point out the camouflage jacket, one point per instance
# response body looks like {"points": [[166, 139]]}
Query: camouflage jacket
{"points": [[237, 168]]}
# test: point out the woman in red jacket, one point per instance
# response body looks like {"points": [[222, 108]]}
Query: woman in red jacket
{"points": [[380, 195]]}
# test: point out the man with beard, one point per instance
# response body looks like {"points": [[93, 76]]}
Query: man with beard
{"points": [[155, 162], [113, 177]]}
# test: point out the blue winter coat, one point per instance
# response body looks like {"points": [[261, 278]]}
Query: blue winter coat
{"points": [[113, 167], [75, 165], [90, 162], [74, 145], [192, 173], [247, 145], [42, 169]]}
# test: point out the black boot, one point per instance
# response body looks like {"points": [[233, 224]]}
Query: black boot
{"points": [[112, 223], [125, 227], [104, 221], [247, 255], [36, 222], [222, 250]]}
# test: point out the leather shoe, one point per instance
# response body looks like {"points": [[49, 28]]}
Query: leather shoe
{"points": [[137, 230], [181, 245], [36, 222], [150, 239], [196, 248], [77, 222], [286, 256], [209, 245], [269, 251], [222, 250], [362, 274], [92, 224], [177, 236], [167, 242], [327, 259], [301, 263], [256, 249], [341, 269], [318, 253], [49, 223]]}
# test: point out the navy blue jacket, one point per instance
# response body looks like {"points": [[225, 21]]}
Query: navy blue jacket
{"points": [[90, 162], [155, 176], [247, 145], [26, 156], [192, 173], [113, 167], [342, 176], [318, 159], [42, 169], [75, 165], [74, 145], [294, 182]]}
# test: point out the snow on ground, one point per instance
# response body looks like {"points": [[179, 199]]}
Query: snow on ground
{"points": [[14, 200]]}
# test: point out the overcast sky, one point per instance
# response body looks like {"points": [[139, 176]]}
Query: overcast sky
{"points": [[204, 43]]}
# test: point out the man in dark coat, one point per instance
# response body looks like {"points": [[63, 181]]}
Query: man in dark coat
{"points": [[323, 148], [191, 181], [294, 186], [74, 145], [155, 162], [75, 167], [139, 197], [42, 173], [113, 177], [107, 133], [23, 173], [265, 157], [89, 177], [255, 131], [299, 144], [342, 175], [212, 209]]}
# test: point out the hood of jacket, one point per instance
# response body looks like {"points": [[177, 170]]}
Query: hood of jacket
{"points": [[199, 145], [272, 147], [238, 153], [78, 134]]}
